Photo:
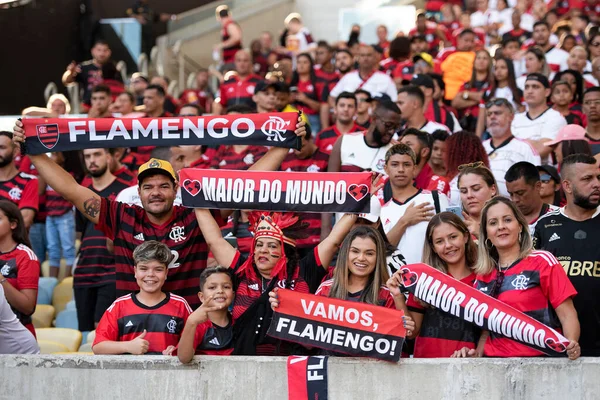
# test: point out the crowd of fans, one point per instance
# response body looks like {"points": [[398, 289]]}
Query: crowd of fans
{"points": [[481, 126]]}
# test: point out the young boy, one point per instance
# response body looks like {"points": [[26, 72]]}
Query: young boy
{"points": [[149, 321], [209, 330]]}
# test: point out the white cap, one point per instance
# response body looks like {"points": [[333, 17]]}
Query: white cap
{"points": [[373, 215]]}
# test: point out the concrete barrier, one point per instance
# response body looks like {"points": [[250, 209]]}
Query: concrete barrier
{"points": [[264, 378]]}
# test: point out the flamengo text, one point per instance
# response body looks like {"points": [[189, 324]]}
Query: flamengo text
{"points": [[296, 191], [164, 128]]}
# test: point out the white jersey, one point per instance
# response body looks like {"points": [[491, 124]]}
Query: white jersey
{"points": [[355, 152], [503, 157], [131, 196], [412, 242], [557, 59], [378, 83], [545, 126], [14, 337], [454, 192], [432, 126]]}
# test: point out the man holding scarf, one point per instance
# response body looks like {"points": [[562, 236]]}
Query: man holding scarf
{"points": [[129, 225]]}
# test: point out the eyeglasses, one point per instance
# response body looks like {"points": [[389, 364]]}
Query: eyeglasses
{"points": [[498, 284], [498, 102], [477, 164], [545, 178]]}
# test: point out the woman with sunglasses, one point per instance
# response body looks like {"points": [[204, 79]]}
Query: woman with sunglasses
{"points": [[532, 282], [450, 249], [477, 186]]}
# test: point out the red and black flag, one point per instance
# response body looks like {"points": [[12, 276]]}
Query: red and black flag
{"points": [[276, 191], [307, 377], [463, 301], [63, 134], [356, 329]]}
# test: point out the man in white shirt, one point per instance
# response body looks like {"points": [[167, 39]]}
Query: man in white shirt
{"points": [[503, 148], [555, 57], [411, 101], [540, 123], [367, 77], [405, 216], [485, 18]]}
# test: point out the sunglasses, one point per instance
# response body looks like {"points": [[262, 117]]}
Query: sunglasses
{"points": [[477, 164], [497, 102], [545, 178]]}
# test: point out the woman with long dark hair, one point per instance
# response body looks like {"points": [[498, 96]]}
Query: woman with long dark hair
{"points": [[21, 271], [361, 273], [449, 248], [466, 102], [307, 96], [273, 262], [506, 260]]}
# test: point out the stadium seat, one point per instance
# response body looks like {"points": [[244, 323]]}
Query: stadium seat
{"points": [[86, 348], [63, 293], [45, 289], [43, 316], [70, 338], [67, 319], [90, 337], [71, 305], [50, 347]]}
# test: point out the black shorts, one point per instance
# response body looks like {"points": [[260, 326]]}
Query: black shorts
{"points": [[92, 302]]}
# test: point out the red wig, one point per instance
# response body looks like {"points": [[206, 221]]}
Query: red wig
{"points": [[463, 148]]}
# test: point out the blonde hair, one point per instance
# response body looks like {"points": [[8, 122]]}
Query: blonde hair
{"points": [[430, 257], [341, 274], [487, 255]]}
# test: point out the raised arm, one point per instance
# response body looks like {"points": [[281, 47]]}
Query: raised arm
{"points": [[328, 247], [333, 166], [223, 252], [61, 181], [272, 160]]}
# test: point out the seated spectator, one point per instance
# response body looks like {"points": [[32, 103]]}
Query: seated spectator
{"points": [[21, 271], [506, 250], [578, 60], [363, 108], [433, 33], [420, 143], [486, 19], [550, 190], [562, 97], [570, 140], [14, 337], [208, 330], [57, 105], [137, 84], [593, 44], [432, 86], [437, 160], [470, 94], [515, 30], [535, 63], [124, 104], [100, 99], [145, 311], [504, 84], [457, 64], [170, 105], [555, 57], [511, 49], [591, 109], [477, 186], [201, 94], [449, 248], [237, 87], [345, 112], [411, 101]]}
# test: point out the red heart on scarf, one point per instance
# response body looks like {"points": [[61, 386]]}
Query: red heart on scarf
{"points": [[409, 278], [556, 346], [193, 187], [358, 192]]}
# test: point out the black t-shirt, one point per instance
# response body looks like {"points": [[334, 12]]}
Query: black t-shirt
{"points": [[575, 245], [90, 76]]}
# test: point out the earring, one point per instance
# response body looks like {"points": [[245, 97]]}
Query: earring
{"points": [[520, 236], [490, 245]]}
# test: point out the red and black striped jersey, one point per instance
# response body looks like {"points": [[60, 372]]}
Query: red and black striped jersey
{"points": [[95, 264], [441, 333], [314, 91], [306, 279], [536, 286], [128, 226], [124, 175], [238, 90], [22, 190], [127, 318], [227, 158], [205, 159], [56, 205], [229, 52], [327, 137], [213, 340], [315, 163], [24, 164], [21, 268], [384, 297]]}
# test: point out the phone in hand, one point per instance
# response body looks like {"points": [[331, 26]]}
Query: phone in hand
{"points": [[456, 210]]}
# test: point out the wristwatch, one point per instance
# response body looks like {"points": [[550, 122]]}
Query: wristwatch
{"points": [[466, 95]]}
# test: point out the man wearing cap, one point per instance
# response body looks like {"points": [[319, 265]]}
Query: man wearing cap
{"points": [[433, 110], [503, 148], [367, 77], [423, 63], [239, 87], [523, 184], [569, 133], [94, 274], [411, 101], [591, 109], [540, 123], [128, 226], [550, 185]]}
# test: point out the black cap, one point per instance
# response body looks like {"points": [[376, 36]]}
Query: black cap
{"points": [[381, 97], [262, 86], [418, 37], [539, 78], [550, 170], [422, 80]]}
